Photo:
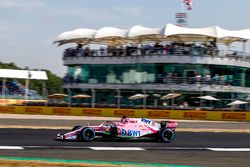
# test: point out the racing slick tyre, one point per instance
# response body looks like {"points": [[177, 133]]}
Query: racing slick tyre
{"points": [[87, 134], [166, 135], [76, 127]]}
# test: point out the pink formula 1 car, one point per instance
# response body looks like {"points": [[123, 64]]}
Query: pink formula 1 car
{"points": [[127, 128]]}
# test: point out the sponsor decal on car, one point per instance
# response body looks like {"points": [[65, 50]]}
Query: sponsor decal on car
{"points": [[130, 132], [147, 121]]}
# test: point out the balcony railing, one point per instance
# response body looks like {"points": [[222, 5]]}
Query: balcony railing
{"points": [[72, 53]]}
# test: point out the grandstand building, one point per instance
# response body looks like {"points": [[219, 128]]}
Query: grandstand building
{"points": [[12, 92], [112, 64]]}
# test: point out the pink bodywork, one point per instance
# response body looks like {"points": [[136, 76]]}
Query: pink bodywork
{"points": [[129, 128], [137, 127]]}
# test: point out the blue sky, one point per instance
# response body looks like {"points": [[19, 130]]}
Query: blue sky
{"points": [[29, 27]]}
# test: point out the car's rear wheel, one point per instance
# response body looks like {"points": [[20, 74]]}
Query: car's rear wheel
{"points": [[87, 134], [167, 135]]}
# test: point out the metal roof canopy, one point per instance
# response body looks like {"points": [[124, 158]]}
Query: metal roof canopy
{"points": [[23, 74]]}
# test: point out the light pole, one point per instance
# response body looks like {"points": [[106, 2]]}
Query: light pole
{"points": [[156, 96], [118, 98], [3, 89], [93, 98], [69, 97], [27, 86], [144, 99], [45, 93]]}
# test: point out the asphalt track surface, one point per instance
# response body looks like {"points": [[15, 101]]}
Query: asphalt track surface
{"points": [[188, 148]]}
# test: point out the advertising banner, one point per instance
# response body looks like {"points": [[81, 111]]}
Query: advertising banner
{"points": [[7, 109], [120, 113], [33, 110], [234, 116], [195, 115], [159, 114], [61, 111], [114, 112], [92, 112]]}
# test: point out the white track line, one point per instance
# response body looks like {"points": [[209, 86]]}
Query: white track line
{"points": [[128, 148], [117, 148], [229, 149], [11, 148]]}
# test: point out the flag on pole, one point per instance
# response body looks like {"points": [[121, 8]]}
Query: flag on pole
{"points": [[188, 3]]}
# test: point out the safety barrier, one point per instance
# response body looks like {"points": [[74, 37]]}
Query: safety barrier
{"points": [[115, 112]]}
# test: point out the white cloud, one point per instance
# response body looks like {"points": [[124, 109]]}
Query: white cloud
{"points": [[20, 3]]}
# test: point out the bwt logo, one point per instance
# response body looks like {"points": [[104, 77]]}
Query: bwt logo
{"points": [[130, 132], [146, 121]]}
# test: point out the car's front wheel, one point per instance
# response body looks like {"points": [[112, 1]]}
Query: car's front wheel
{"points": [[87, 134]]}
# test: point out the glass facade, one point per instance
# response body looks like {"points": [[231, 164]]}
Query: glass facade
{"points": [[114, 73], [187, 100], [156, 73]]}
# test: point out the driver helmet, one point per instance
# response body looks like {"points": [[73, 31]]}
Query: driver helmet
{"points": [[124, 119]]}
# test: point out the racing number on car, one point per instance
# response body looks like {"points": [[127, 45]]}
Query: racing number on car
{"points": [[130, 132]]}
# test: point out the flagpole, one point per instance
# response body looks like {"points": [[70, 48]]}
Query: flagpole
{"points": [[184, 10], [181, 6]]}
